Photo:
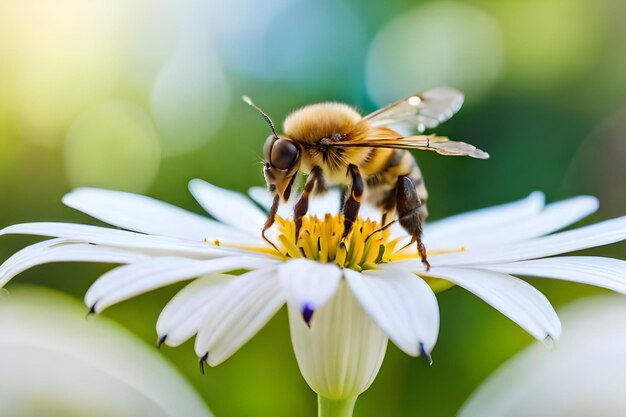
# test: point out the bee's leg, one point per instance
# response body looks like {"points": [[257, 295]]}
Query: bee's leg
{"points": [[382, 229], [408, 206], [271, 217], [389, 209], [353, 202], [302, 206]]}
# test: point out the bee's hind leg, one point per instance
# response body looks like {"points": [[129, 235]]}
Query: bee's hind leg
{"points": [[408, 206], [353, 203]]}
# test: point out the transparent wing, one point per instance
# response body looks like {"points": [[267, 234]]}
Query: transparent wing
{"points": [[440, 144], [420, 111]]}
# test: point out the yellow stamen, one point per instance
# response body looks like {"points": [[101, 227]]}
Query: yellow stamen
{"points": [[289, 246], [321, 240], [341, 255]]}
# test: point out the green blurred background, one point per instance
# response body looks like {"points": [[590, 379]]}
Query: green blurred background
{"points": [[145, 95]]}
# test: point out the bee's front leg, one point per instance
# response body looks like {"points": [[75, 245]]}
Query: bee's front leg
{"points": [[353, 202], [271, 217], [408, 206], [302, 206]]}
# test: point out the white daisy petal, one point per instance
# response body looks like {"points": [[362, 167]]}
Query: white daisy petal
{"points": [[182, 316], [56, 363], [128, 281], [341, 354], [148, 244], [584, 376], [308, 284], [261, 196], [340, 319], [60, 250], [402, 305], [555, 216], [603, 233], [482, 220], [601, 272], [368, 211], [147, 215], [265, 200], [516, 299], [246, 304], [229, 207], [329, 202]]}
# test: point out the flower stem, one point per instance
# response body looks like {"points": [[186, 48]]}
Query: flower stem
{"points": [[335, 408]]}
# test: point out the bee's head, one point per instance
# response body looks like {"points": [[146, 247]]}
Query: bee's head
{"points": [[282, 159], [282, 162]]}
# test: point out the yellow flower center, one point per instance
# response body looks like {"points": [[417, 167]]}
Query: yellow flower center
{"points": [[320, 239]]}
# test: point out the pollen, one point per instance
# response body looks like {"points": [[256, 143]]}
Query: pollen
{"points": [[320, 239]]}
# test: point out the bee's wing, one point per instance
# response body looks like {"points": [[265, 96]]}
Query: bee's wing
{"points": [[440, 144], [420, 111]]}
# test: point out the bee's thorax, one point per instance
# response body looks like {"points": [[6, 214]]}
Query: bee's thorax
{"points": [[316, 128]]}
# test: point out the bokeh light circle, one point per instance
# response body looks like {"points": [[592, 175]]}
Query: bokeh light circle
{"points": [[550, 43], [113, 145], [67, 58], [292, 41], [445, 43], [314, 40], [189, 101], [239, 31], [599, 166]]}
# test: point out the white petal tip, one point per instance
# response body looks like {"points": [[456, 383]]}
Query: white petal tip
{"points": [[591, 202], [195, 182], [550, 342], [92, 310], [196, 185], [425, 354], [77, 191], [307, 313], [94, 306], [7, 230], [79, 196], [203, 360], [538, 195]]}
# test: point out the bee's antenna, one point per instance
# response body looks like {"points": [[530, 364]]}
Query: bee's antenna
{"points": [[263, 114]]}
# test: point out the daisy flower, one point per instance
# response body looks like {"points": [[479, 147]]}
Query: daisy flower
{"points": [[345, 299], [55, 363], [585, 376]]}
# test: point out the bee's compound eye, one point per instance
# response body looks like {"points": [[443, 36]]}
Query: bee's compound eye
{"points": [[284, 154]]}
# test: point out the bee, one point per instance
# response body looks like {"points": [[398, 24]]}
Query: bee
{"points": [[335, 145]]}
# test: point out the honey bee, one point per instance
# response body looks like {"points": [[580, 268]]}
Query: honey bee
{"points": [[337, 146]]}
